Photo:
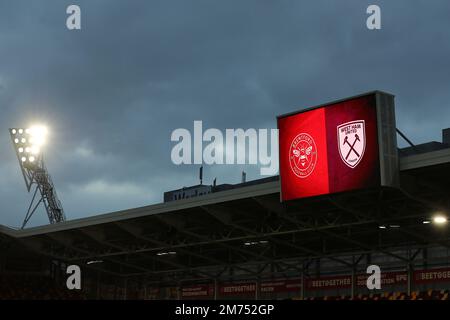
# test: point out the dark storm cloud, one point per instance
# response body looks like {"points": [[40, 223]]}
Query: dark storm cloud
{"points": [[113, 92]]}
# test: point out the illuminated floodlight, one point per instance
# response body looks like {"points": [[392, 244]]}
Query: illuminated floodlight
{"points": [[253, 243], [28, 144], [439, 219]]}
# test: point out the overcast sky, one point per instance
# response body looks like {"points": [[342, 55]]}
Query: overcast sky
{"points": [[113, 92]]}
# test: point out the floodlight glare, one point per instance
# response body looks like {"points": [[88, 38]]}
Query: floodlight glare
{"points": [[14, 131], [31, 159], [16, 140], [23, 159], [20, 131], [38, 135], [20, 149]]}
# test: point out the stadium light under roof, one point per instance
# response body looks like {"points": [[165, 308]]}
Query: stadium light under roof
{"points": [[439, 219]]}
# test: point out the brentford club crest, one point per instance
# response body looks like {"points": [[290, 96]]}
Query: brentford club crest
{"points": [[352, 142], [303, 155]]}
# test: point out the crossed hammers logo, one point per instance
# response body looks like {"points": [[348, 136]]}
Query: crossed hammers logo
{"points": [[352, 146]]}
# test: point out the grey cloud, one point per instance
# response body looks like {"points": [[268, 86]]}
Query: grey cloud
{"points": [[114, 91]]}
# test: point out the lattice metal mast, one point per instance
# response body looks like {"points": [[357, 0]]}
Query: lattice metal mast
{"points": [[27, 144]]}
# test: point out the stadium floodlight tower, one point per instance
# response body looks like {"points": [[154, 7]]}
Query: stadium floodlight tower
{"points": [[28, 146]]}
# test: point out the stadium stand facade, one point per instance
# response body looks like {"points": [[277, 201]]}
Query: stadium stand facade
{"points": [[240, 242]]}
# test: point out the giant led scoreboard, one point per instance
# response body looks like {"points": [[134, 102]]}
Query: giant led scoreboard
{"points": [[340, 146]]}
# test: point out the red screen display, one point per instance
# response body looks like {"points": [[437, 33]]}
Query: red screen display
{"points": [[329, 149]]}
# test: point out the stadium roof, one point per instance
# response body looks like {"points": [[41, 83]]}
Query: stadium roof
{"points": [[247, 230]]}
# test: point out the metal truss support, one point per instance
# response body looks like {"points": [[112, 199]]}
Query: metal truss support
{"points": [[353, 289], [51, 202], [406, 139], [410, 270], [31, 209], [35, 174], [216, 289], [257, 288], [355, 263]]}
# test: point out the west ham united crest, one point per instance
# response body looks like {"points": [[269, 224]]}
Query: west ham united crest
{"points": [[352, 142], [303, 155]]}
